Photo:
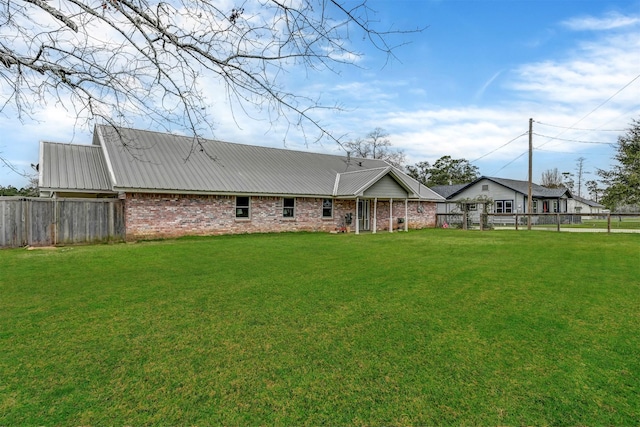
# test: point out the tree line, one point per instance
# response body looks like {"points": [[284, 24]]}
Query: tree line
{"points": [[10, 190]]}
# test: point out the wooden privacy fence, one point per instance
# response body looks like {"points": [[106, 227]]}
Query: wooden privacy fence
{"points": [[30, 221]]}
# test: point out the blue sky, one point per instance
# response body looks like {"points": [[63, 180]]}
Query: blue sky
{"points": [[465, 86]]}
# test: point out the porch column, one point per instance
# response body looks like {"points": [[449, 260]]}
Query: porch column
{"points": [[375, 215], [406, 214], [390, 215], [357, 218]]}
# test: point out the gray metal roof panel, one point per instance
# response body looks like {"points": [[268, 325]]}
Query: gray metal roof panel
{"points": [[418, 188], [166, 162], [354, 183], [73, 167]]}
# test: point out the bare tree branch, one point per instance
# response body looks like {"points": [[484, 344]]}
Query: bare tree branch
{"points": [[115, 61]]}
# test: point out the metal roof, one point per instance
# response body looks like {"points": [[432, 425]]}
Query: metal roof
{"points": [[72, 167], [151, 161], [350, 183]]}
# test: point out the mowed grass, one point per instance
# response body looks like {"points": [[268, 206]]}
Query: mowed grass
{"points": [[442, 327]]}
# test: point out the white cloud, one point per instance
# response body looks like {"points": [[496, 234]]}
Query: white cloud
{"points": [[608, 22], [592, 72], [559, 90]]}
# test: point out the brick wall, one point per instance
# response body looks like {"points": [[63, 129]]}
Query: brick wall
{"points": [[165, 215]]}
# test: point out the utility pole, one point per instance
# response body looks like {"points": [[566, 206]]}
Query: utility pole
{"points": [[529, 201]]}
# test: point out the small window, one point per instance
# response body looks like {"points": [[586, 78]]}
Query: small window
{"points": [[508, 206], [327, 208], [555, 206], [288, 207], [485, 187], [472, 207], [504, 206], [535, 206], [242, 207]]}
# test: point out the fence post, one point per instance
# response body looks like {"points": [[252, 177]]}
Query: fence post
{"points": [[55, 221], [609, 222], [558, 220], [516, 221], [111, 221]]}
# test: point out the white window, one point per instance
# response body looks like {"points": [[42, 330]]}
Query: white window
{"points": [[504, 206], [327, 208], [288, 207], [242, 207]]}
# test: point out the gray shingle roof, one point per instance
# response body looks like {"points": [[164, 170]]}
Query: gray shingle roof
{"points": [[523, 187], [73, 167], [537, 191], [447, 190], [151, 161], [588, 202]]}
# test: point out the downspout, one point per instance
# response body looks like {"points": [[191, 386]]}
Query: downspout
{"points": [[357, 218], [406, 214], [375, 215], [390, 215]]}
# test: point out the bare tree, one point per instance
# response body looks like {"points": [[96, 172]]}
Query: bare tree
{"points": [[552, 178], [580, 173], [376, 145], [116, 60]]}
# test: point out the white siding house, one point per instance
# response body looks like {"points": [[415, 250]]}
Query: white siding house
{"points": [[501, 196], [583, 206]]}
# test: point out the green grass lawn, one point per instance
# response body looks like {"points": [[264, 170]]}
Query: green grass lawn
{"points": [[428, 327]]}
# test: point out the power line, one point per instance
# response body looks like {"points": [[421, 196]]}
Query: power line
{"points": [[608, 99], [509, 163], [596, 108], [573, 140], [502, 146], [586, 130], [590, 154]]}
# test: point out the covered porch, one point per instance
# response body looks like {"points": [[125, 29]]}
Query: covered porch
{"points": [[373, 214]]}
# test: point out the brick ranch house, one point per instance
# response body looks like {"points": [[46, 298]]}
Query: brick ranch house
{"points": [[172, 186]]}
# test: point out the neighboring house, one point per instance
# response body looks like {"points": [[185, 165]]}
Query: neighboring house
{"points": [[502, 196], [583, 206], [172, 186]]}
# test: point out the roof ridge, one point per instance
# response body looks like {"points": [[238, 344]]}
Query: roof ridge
{"points": [[69, 143], [364, 170], [245, 144]]}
